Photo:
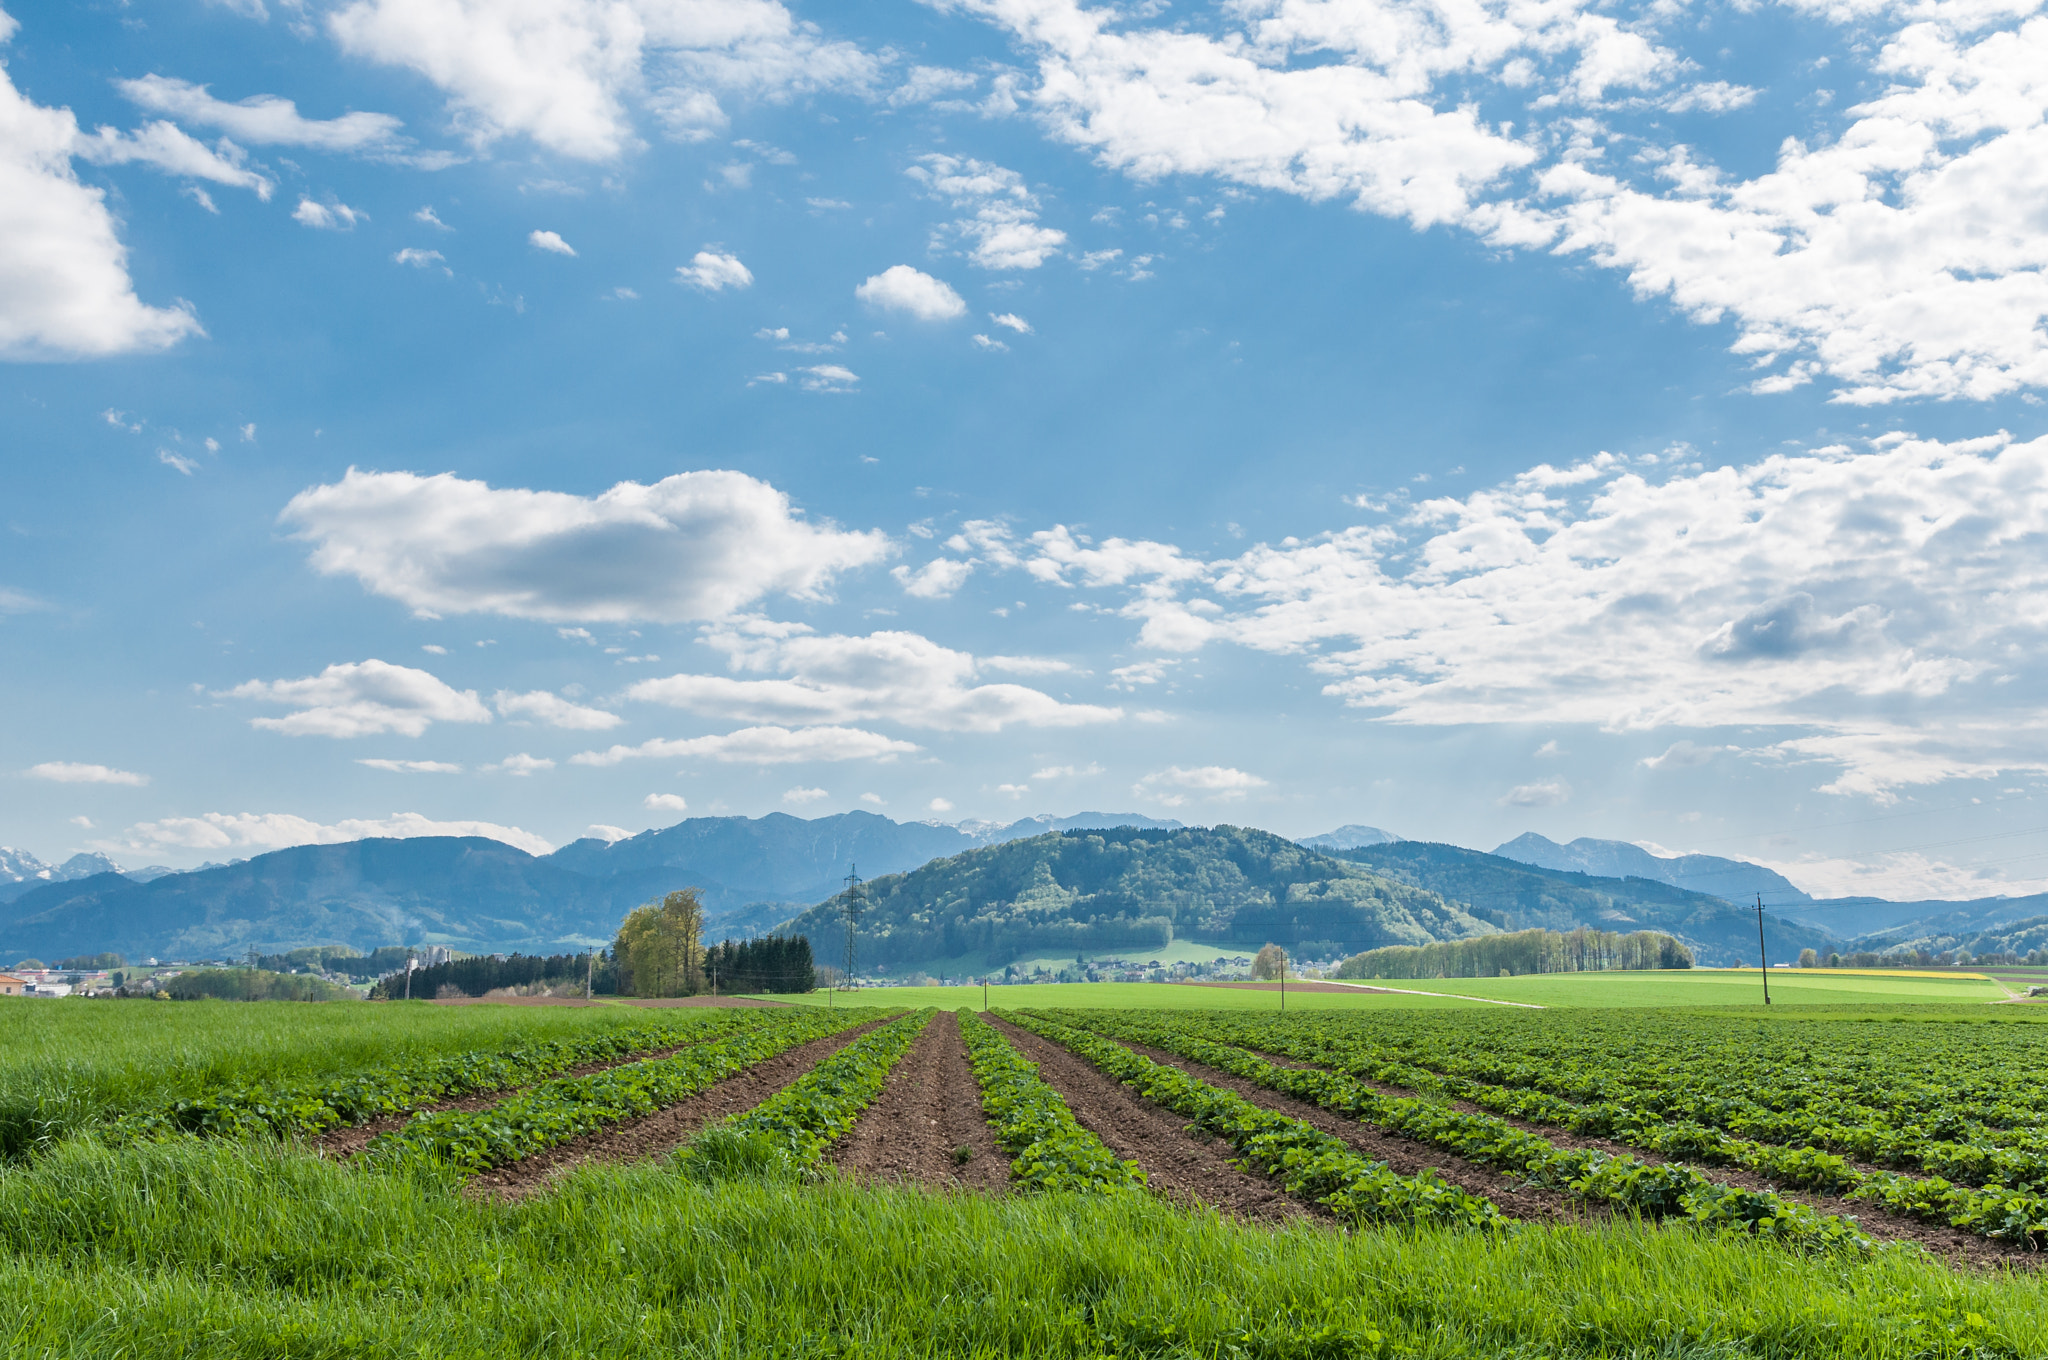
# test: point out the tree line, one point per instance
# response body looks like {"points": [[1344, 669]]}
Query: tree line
{"points": [[660, 951], [486, 973], [1524, 951]]}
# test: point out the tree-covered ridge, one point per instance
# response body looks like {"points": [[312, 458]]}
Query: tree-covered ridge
{"points": [[1127, 889]]}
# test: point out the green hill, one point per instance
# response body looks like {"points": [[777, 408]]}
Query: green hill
{"points": [[1099, 891]]}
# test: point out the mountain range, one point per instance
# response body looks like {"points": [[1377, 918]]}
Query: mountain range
{"points": [[1109, 880]]}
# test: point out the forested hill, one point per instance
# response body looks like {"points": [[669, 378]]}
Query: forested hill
{"points": [[1125, 889], [1520, 896]]}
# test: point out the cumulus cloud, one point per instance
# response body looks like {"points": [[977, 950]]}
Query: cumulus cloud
{"points": [[1012, 321], [1542, 793], [418, 259], [760, 746], [520, 765], [74, 772], [553, 711], [800, 795], [828, 378], [262, 831], [665, 802], [360, 699], [1173, 786], [1881, 608], [165, 147], [711, 271], [895, 677], [563, 72], [697, 545], [264, 119], [330, 216], [900, 288], [1001, 230], [551, 242], [412, 766], [935, 580], [610, 835], [65, 292]]}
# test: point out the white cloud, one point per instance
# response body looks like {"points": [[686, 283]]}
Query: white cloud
{"points": [[419, 259], [360, 699], [874, 800], [563, 71], [1012, 321], [262, 831], [760, 746], [665, 802], [610, 835], [553, 710], [73, 772], [64, 286], [521, 765], [903, 289], [828, 378], [330, 216], [176, 460], [1881, 610], [428, 216], [166, 148], [940, 805], [712, 272], [1677, 756], [550, 242], [1173, 785], [1002, 231], [1014, 790], [412, 766], [800, 795], [926, 83], [1025, 665], [984, 342], [697, 545], [1542, 793], [935, 580], [889, 676], [264, 119], [1067, 771]]}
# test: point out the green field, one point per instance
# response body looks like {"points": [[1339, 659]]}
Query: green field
{"points": [[1686, 987]]}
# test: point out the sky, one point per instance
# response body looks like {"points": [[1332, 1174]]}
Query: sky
{"points": [[1461, 417]]}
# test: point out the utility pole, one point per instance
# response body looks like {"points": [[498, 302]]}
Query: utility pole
{"points": [[856, 903], [1283, 984], [984, 995], [408, 974], [1762, 956], [589, 973]]}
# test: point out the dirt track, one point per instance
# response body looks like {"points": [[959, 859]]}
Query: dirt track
{"points": [[1178, 1165], [930, 1106], [664, 1130]]}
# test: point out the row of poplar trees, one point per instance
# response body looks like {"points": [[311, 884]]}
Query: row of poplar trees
{"points": [[660, 952]]}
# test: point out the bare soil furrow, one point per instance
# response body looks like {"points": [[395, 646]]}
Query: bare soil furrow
{"points": [[928, 1111], [1403, 1155], [664, 1130], [1178, 1164]]}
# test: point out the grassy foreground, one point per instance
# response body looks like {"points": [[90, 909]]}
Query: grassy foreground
{"points": [[1679, 987], [250, 1249]]}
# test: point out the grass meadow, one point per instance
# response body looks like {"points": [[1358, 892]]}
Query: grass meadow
{"points": [[252, 1249], [1678, 987]]}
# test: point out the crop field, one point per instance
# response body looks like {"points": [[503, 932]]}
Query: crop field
{"points": [[1363, 1177]]}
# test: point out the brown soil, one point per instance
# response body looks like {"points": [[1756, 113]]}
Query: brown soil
{"points": [[1955, 1243], [1178, 1165], [664, 1130], [1403, 1155], [930, 1106], [344, 1143]]}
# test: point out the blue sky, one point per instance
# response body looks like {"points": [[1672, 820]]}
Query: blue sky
{"points": [[1595, 419]]}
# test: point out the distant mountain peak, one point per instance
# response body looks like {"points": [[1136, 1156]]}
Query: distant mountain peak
{"points": [[1732, 880], [1349, 837]]}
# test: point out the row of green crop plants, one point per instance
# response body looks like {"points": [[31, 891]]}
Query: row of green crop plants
{"points": [[1621, 1181], [1991, 1211], [1803, 1118], [311, 1106]]}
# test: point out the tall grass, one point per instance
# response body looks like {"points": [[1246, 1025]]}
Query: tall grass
{"points": [[249, 1249], [67, 1064]]}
